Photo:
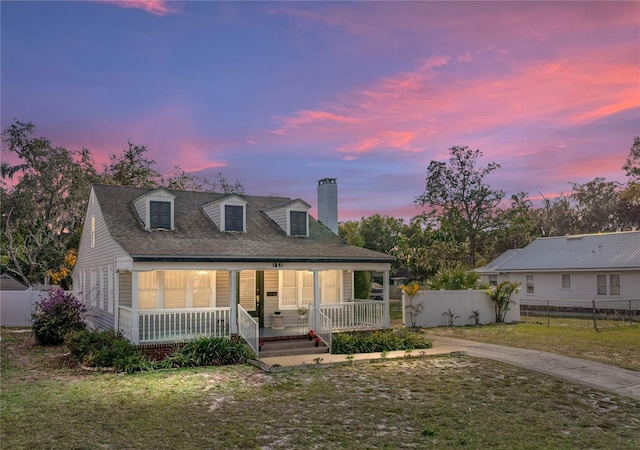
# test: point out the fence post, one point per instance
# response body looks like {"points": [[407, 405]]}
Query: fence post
{"points": [[548, 314], [629, 311], [595, 318]]}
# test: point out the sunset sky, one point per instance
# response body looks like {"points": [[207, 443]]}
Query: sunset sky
{"points": [[281, 94]]}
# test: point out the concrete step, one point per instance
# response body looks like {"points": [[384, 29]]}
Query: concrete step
{"points": [[291, 347]]}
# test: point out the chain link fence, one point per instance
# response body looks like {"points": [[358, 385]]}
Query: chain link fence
{"points": [[603, 313]]}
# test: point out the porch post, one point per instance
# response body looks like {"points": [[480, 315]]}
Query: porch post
{"points": [[135, 320], [386, 320], [316, 299], [233, 301]]}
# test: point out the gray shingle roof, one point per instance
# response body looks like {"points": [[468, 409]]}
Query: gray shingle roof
{"points": [[583, 252], [196, 237]]}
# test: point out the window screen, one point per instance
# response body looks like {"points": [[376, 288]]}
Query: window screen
{"points": [[298, 222]]}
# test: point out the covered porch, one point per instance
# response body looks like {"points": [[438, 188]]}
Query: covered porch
{"points": [[175, 302]]}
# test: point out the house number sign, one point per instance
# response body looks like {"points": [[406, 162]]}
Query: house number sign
{"points": [[278, 265]]}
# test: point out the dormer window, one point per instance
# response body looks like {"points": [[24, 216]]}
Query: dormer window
{"points": [[156, 209], [229, 213], [298, 223], [292, 217], [160, 215], [233, 218]]}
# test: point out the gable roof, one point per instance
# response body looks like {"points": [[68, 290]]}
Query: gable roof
{"points": [[9, 283], [605, 251], [195, 238], [493, 266]]}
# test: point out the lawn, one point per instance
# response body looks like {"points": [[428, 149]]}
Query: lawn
{"points": [[616, 343], [462, 402]]}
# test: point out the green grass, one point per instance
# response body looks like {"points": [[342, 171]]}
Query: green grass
{"points": [[418, 403], [616, 343], [395, 310]]}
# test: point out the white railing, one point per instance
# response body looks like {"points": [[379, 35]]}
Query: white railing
{"points": [[162, 325], [321, 324], [355, 315], [125, 322], [249, 329]]}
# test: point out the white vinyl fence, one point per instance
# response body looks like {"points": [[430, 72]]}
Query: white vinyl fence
{"points": [[16, 307], [439, 306]]}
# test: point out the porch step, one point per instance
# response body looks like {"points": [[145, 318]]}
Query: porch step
{"points": [[288, 347]]}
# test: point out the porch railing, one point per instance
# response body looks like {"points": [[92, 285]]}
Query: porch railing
{"points": [[249, 329], [162, 325], [355, 315], [125, 322], [321, 324]]}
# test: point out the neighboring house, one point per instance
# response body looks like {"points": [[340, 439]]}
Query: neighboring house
{"points": [[9, 283], [572, 268], [164, 266]]}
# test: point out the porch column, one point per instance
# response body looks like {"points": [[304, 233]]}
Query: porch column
{"points": [[135, 320], [386, 320], [233, 301], [316, 299]]}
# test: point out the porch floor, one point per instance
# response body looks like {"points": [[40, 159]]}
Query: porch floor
{"points": [[287, 331]]}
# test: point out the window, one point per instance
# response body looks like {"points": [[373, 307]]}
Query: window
{"points": [[330, 286], [233, 218], [566, 281], [202, 289], [147, 290], [93, 232], [247, 291], [160, 216], [602, 285], [493, 280], [298, 223], [614, 284], [296, 288], [530, 289], [175, 289]]}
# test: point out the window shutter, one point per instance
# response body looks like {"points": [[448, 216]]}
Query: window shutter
{"points": [[160, 215], [233, 218], [298, 223]]}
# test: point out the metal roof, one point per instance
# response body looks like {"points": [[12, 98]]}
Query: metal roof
{"points": [[493, 266], [603, 251]]}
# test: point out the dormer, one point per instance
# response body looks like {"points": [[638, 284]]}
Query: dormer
{"points": [[293, 217], [156, 209], [229, 213]]}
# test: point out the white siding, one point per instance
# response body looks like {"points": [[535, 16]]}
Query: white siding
{"points": [[548, 286], [279, 216], [95, 263], [213, 211]]}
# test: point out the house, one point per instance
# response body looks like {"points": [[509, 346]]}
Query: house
{"points": [[165, 266], [572, 269], [9, 283]]}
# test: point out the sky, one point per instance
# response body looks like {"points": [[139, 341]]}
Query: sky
{"points": [[282, 94]]}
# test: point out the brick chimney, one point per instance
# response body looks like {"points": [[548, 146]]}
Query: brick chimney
{"points": [[328, 203]]}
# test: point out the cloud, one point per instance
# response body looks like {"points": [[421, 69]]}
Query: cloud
{"points": [[155, 7]]}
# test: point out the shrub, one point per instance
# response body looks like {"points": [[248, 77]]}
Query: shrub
{"points": [[209, 351], [100, 348], [378, 341], [456, 279], [58, 314], [501, 297]]}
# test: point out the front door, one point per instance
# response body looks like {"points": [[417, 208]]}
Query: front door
{"points": [[257, 293]]}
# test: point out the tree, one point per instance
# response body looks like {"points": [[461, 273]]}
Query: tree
{"points": [[42, 213], [557, 217], [424, 250], [459, 198], [596, 205], [632, 164], [131, 168], [381, 233], [182, 181]]}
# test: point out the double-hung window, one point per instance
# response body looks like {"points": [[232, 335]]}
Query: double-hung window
{"points": [[530, 287], [233, 218], [608, 285], [298, 223], [160, 215], [566, 281]]}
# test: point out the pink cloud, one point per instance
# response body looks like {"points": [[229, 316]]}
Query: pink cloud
{"points": [[155, 7]]}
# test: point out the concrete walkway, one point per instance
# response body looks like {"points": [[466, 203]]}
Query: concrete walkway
{"points": [[589, 373]]}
